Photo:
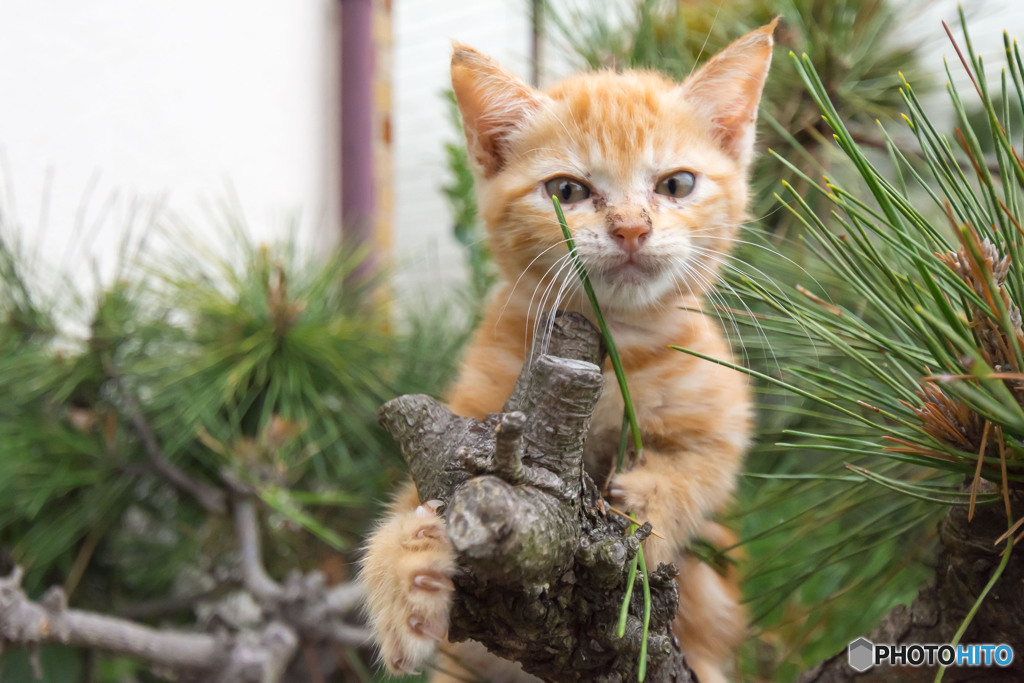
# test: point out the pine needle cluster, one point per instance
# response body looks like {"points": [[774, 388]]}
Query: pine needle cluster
{"points": [[901, 336], [202, 369]]}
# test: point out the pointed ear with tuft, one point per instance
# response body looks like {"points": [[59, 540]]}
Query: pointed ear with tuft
{"points": [[493, 103], [728, 89]]}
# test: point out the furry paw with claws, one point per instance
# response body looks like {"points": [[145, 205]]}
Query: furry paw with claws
{"points": [[407, 571]]}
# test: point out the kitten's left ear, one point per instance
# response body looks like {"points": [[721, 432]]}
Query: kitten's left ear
{"points": [[728, 88]]}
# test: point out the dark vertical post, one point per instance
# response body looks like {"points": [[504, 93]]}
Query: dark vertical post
{"points": [[357, 133]]}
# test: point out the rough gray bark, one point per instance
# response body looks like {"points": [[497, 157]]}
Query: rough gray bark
{"points": [[542, 563], [965, 563]]}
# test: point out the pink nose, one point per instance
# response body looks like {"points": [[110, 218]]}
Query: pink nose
{"points": [[630, 237]]}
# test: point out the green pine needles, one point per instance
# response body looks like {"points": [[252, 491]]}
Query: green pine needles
{"points": [[933, 332], [200, 364], [906, 311]]}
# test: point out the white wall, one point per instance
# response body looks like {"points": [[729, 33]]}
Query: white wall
{"points": [[171, 100], [426, 256]]}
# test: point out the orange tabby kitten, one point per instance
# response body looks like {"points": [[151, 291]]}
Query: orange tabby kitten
{"points": [[653, 178]]}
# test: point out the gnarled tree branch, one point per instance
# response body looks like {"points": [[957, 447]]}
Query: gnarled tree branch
{"points": [[211, 498], [254, 575], [543, 567]]}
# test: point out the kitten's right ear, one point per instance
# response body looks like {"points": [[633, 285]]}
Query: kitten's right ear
{"points": [[493, 103]]}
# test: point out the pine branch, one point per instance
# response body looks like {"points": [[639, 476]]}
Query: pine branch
{"points": [[212, 499], [254, 575], [257, 657], [302, 612], [304, 600]]}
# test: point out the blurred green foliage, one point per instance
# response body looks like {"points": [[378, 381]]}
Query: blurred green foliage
{"points": [[264, 363], [459, 192]]}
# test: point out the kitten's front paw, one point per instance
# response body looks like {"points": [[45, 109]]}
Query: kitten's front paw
{"points": [[634, 492], [407, 571]]}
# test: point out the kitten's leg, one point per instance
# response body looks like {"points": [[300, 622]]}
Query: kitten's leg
{"points": [[711, 622], [407, 572], [676, 491]]}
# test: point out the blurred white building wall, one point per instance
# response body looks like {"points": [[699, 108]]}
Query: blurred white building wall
{"points": [[427, 259], [173, 102]]}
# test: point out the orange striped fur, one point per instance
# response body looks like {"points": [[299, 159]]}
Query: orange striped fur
{"points": [[651, 255]]}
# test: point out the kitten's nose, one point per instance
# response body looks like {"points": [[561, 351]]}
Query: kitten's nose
{"points": [[630, 237]]}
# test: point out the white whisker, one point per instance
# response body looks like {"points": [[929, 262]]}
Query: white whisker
{"points": [[566, 262], [519, 279], [709, 290], [568, 287], [750, 313], [774, 252]]}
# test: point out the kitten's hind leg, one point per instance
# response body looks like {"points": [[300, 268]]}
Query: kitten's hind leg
{"points": [[712, 622], [407, 572]]}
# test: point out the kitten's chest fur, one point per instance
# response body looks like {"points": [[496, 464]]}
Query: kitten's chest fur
{"points": [[600, 453], [674, 397], [601, 450]]}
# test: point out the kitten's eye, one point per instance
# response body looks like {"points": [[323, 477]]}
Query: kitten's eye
{"points": [[677, 185], [568, 190]]}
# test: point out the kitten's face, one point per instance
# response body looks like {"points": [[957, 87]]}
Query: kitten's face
{"points": [[651, 174]]}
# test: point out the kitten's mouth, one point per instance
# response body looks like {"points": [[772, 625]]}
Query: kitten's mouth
{"points": [[627, 282], [630, 270]]}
